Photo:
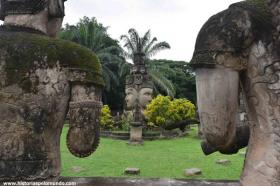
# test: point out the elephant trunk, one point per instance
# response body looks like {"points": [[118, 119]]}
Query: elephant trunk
{"points": [[218, 105], [241, 141], [83, 134]]}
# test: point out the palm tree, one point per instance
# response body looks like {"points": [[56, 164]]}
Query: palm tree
{"points": [[149, 47], [93, 35]]}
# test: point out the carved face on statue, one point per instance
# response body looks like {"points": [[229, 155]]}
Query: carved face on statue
{"points": [[231, 56], [145, 97], [56, 12], [130, 98], [43, 15]]}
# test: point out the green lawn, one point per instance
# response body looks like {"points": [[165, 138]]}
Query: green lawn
{"points": [[156, 159]]}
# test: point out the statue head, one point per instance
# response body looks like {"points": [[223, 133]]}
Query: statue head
{"points": [[43, 15], [139, 88], [145, 96], [130, 98]]}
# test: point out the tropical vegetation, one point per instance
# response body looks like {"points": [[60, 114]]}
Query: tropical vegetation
{"points": [[106, 119], [163, 110], [93, 35], [172, 78], [134, 44], [181, 76]]}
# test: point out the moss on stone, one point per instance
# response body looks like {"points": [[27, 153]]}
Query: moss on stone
{"points": [[259, 12], [26, 52], [221, 33]]}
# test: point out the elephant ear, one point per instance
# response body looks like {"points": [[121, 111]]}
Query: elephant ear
{"points": [[56, 8]]}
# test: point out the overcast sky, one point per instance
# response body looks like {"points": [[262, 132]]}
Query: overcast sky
{"points": [[175, 21]]}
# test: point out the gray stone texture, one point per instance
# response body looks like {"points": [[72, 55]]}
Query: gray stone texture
{"points": [[139, 91], [192, 172], [147, 182], [132, 171], [223, 161], [238, 49], [41, 78]]}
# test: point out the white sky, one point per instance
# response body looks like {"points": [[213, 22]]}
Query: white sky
{"points": [[175, 21]]}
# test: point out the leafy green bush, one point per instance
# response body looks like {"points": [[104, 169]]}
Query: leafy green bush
{"points": [[126, 119], [156, 111], [107, 121], [181, 109], [162, 110]]}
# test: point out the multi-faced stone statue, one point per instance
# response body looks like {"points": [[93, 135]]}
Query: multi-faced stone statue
{"points": [[139, 89], [240, 47], [41, 78], [143, 96]]}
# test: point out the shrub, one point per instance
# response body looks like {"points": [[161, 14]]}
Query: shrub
{"points": [[156, 111], [181, 109], [107, 121], [163, 109], [126, 119]]}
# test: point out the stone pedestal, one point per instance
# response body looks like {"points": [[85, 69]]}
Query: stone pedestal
{"points": [[146, 182], [136, 135]]}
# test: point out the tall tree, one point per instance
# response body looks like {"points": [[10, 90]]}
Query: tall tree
{"points": [[181, 75], [134, 44], [93, 35]]}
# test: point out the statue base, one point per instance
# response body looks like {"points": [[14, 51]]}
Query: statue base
{"points": [[135, 143], [136, 135]]}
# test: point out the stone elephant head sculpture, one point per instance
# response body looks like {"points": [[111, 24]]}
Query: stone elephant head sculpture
{"points": [[238, 49]]}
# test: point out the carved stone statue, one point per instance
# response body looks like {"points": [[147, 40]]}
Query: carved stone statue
{"points": [[139, 91], [142, 97], [240, 47], [40, 78], [139, 87]]}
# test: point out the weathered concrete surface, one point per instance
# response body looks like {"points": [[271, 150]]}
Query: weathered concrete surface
{"points": [[132, 171], [146, 182], [136, 135], [41, 78], [238, 49]]}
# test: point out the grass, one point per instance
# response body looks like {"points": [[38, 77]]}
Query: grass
{"points": [[156, 159]]}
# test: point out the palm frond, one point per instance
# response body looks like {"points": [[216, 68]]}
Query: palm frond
{"points": [[82, 35], [124, 69], [128, 44], [157, 48], [107, 81], [90, 34], [127, 55], [110, 75], [146, 39], [162, 82], [135, 39], [148, 47]]}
